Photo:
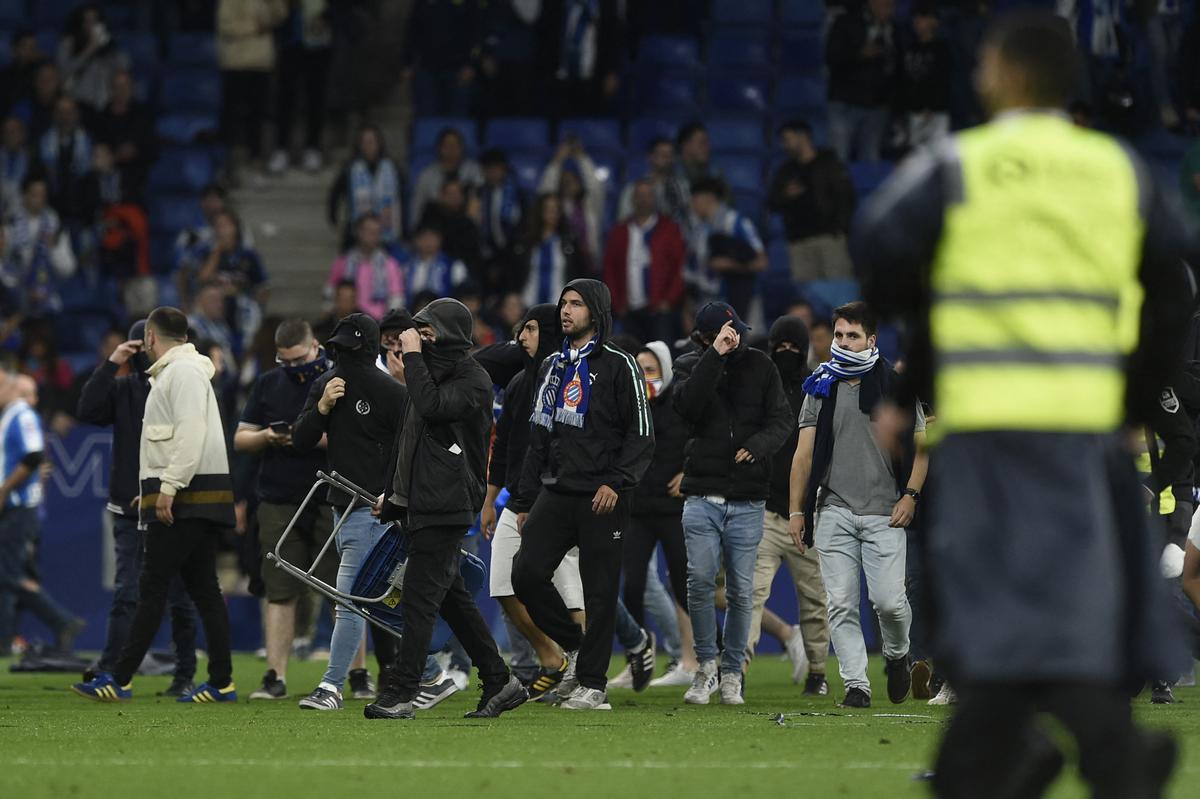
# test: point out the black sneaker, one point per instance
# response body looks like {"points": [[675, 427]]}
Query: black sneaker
{"points": [[272, 687], [856, 697], [1161, 694], [389, 706], [431, 694], [641, 662], [899, 679], [547, 680], [815, 685], [361, 686], [498, 699], [179, 686]]}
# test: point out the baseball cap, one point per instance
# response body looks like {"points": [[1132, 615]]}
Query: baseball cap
{"points": [[355, 332], [713, 316], [396, 319]]}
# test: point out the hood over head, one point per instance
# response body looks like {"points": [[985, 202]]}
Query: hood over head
{"points": [[789, 328], [598, 300], [395, 319], [549, 330], [792, 366], [662, 352], [452, 324], [355, 339]]}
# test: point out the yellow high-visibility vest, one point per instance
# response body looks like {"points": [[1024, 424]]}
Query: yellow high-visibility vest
{"points": [[1036, 298]]}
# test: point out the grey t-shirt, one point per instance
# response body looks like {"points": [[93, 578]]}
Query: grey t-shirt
{"points": [[860, 476]]}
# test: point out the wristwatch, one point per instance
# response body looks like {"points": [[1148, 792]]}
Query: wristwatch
{"points": [[914, 493]]}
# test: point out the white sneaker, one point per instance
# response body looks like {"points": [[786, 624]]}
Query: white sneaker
{"points": [[675, 675], [313, 161], [587, 699], [796, 654], [278, 163], [569, 681], [946, 696], [704, 684], [731, 690], [461, 678], [622, 680]]}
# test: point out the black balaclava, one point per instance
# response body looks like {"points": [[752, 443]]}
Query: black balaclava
{"points": [[354, 343], [549, 333], [454, 326], [140, 361], [793, 366]]}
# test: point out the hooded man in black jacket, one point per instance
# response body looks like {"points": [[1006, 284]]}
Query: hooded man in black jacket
{"points": [[358, 408], [732, 398], [807, 644], [106, 400], [538, 337], [437, 489], [591, 441]]}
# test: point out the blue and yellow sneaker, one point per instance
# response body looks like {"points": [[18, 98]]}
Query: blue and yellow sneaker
{"points": [[103, 688], [204, 694]]}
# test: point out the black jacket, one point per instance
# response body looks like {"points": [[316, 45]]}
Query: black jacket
{"points": [[512, 428], [670, 438], [732, 402], [853, 78], [362, 426], [120, 402], [792, 372], [826, 204], [616, 443], [441, 453]]}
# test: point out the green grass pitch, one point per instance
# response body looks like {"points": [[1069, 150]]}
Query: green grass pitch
{"points": [[54, 744]]}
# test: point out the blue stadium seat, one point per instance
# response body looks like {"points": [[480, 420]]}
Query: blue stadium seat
{"points": [[775, 228], [868, 175], [48, 42], [193, 49], [142, 47], [742, 172], [51, 13], [181, 170], [733, 95], [739, 50], [742, 12], [12, 13], [162, 253], [601, 135], [426, 130], [669, 52], [527, 169], [668, 93], [738, 134], [170, 214], [517, 133], [80, 362], [5, 49], [777, 291], [609, 169], [801, 93], [749, 204], [185, 128], [778, 260], [802, 51], [191, 91], [825, 295], [802, 13], [643, 131], [168, 292]]}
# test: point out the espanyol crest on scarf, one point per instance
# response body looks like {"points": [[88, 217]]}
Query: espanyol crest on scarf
{"points": [[565, 388]]}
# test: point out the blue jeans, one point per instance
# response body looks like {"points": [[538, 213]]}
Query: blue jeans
{"points": [[128, 546], [629, 632], [712, 530], [524, 662], [18, 528], [856, 131], [355, 540], [662, 608]]}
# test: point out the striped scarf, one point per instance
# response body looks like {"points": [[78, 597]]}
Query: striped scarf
{"points": [[377, 263], [566, 388], [376, 192], [843, 365]]}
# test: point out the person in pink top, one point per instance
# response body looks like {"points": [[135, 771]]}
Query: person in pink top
{"points": [[379, 279]]}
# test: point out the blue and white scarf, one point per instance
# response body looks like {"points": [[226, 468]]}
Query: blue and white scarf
{"points": [[579, 39], [843, 365], [377, 263], [501, 214], [566, 388], [376, 192], [81, 153]]}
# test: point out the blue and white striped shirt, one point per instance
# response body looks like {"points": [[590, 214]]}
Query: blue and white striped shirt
{"points": [[21, 435]]}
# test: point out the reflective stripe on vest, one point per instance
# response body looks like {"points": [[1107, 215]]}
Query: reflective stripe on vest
{"points": [[1035, 289]]}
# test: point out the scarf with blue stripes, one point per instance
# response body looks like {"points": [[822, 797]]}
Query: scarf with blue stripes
{"points": [[566, 388], [843, 364]]}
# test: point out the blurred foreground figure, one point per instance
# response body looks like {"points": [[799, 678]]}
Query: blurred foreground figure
{"points": [[1041, 273]]}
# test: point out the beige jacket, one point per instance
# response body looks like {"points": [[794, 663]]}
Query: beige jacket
{"points": [[244, 33], [183, 451]]}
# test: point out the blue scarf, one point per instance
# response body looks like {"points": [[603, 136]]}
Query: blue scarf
{"points": [[546, 262], [81, 153], [377, 263], [375, 191], [501, 213], [842, 365], [580, 17], [566, 388]]}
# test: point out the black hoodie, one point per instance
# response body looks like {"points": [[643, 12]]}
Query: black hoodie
{"points": [[793, 369], [441, 454], [512, 428], [616, 443], [362, 425]]}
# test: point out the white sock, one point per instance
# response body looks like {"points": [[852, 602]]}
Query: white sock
{"points": [[328, 686]]}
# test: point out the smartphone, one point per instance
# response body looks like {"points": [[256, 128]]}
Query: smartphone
{"points": [[280, 428]]}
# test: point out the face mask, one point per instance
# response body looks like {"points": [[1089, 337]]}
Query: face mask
{"points": [[654, 386], [308, 372], [790, 364], [140, 361]]}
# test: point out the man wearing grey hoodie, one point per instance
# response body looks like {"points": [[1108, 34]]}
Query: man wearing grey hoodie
{"points": [[437, 489]]}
